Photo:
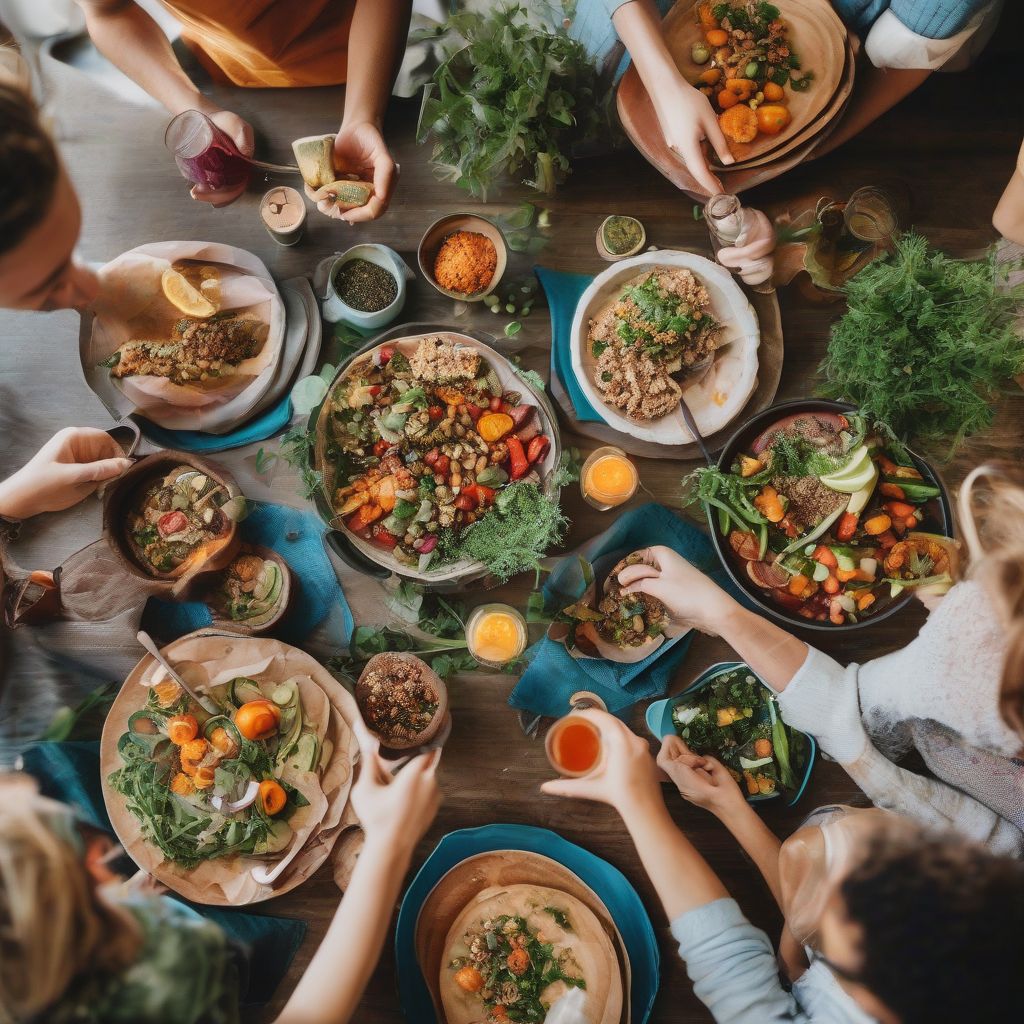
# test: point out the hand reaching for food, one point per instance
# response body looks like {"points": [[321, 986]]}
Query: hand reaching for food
{"points": [[360, 150], [68, 468], [751, 253], [240, 133], [704, 781], [687, 119], [395, 810], [690, 597], [626, 774]]}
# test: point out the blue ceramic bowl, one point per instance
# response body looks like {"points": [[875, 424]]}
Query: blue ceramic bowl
{"points": [[659, 721], [615, 891]]}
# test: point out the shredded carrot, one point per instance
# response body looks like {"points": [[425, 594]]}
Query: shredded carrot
{"points": [[465, 262]]}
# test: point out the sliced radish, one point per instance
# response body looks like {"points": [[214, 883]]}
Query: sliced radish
{"points": [[767, 575]]}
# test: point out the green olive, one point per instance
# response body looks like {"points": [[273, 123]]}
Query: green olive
{"points": [[700, 53], [751, 70]]}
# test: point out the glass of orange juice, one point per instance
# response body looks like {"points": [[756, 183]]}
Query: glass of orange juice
{"points": [[573, 743], [608, 478], [496, 634]]}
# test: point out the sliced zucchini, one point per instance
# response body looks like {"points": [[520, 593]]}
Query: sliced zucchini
{"points": [[306, 755], [278, 838], [145, 723], [242, 690], [265, 581]]}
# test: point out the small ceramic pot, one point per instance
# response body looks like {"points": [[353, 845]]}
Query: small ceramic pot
{"points": [[213, 598], [335, 309], [433, 239]]}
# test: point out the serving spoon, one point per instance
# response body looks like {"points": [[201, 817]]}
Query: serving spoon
{"points": [[692, 374], [206, 703]]}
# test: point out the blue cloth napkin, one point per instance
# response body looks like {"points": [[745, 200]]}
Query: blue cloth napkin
{"points": [[297, 536], [564, 292], [553, 675], [269, 422], [70, 773]]}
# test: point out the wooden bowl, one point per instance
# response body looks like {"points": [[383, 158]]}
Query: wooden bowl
{"points": [[392, 659], [122, 492], [221, 618], [433, 238]]}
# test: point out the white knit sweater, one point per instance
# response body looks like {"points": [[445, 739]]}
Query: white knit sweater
{"points": [[949, 674]]}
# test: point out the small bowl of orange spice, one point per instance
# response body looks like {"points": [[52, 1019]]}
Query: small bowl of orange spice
{"points": [[463, 256]]}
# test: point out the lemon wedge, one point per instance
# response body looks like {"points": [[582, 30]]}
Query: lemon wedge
{"points": [[184, 297]]}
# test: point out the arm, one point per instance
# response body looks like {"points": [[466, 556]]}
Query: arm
{"points": [[394, 812], [1008, 218], [685, 114], [375, 47]]}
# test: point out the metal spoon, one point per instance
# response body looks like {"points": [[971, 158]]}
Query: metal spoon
{"points": [[204, 702], [694, 373]]}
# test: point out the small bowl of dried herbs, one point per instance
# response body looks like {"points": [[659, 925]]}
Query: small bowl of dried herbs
{"points": [[366, 286]]}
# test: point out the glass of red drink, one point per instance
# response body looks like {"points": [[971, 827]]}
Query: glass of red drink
{"points": [[205, 155]]}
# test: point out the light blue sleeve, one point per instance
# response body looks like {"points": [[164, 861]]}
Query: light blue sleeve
{"points": [[732, 966]]}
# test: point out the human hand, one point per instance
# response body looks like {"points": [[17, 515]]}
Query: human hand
{"points": [[626, 775], [68, 468], [704, 781], [687, 118], [394, 809], [240, 133], [690, 597], [360, 149], [751, 255]]}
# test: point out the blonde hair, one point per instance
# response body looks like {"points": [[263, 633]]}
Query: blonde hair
{"points": [[54, 925], [991, 512]]}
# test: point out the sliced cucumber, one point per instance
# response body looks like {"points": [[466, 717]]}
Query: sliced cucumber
{"points": [[278, 838], [306, 755], [243, 690], [265, 581], [284, 694]]}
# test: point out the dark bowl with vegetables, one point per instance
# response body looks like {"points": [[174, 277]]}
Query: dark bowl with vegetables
{"points": [[824, 520], [731, 714]]}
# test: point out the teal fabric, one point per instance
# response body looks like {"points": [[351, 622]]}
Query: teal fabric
{"points": [[935, 19], [70, 772], [553, 675], [563, 292], [296, 535], [269, 423]]}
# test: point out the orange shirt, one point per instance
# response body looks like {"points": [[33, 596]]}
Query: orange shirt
{"points": [[275, 43]]}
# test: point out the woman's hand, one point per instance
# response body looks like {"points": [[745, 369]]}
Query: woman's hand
{"points": [[360, 149], [687, 118], [395, 810], [704, 781], [68, 468], [626, 775], [240, 133], [751, 255], [690, 597]]}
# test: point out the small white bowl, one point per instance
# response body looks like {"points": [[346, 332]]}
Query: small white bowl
{"points": [[335, 309]]}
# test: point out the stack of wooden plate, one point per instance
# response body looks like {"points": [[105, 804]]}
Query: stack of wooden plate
{"points": [[820, 39]]}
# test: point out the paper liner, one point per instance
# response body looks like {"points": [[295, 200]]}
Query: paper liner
{"points": [[724, 390], [206, 659], [452, 899], [132, 306]]}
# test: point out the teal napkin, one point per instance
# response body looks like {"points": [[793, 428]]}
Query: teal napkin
{"points": [[70, 773], [296, 535], [563, 292], [553, 675], [269, 423]]}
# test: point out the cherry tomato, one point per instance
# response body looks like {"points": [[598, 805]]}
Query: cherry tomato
{"points": [[386, 352], [172, 522], [383, 538], [376, 389], [442, 464], [435, 412]]}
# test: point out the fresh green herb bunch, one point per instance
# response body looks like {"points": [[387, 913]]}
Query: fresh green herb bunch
{"points": [[512, 100], [927, 343]]}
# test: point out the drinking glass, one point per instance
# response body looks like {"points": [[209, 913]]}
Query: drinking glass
{"points": [[205, 155], [869, 216]]}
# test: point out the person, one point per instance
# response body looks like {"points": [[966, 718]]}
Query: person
{"points": [[81, 945], [271, 44], [955, 692], [909, 927], [1008, 217], [904, 40]]}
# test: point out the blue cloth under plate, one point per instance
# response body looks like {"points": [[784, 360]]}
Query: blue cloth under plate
{"points": [[269, 423], [297, 536], [553, 675], [563, 292], [70, 773]]}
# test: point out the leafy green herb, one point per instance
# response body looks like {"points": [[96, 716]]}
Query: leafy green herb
{"points": [[560, 918], [510, 100], [513, 328], [927, 343], [570, 465], [532, 377], [85, 721], [297, 448], [264, 460]]}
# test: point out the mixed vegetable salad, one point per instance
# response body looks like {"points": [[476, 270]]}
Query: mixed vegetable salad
{"points": [[425, 447], [250, 590], [735, 718], [829, 519], [206, 786]]}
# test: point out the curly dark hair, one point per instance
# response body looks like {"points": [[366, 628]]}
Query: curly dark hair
{"points": [[942, 923], [29, 167]]}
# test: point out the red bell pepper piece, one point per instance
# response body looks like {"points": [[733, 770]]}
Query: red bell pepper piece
{"points": [[383, 538], [386, 352], [484, 495], [442, 464], [519, 464], [465, 502], [538, 448]]}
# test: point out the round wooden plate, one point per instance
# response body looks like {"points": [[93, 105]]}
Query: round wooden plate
{"points": [[503, 867]]}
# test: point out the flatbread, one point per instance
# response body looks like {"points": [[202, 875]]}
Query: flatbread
{"points": [[592, 952]]}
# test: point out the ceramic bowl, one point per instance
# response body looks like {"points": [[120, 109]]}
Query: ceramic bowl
{"points": [[221, 617], [440, 719], [335, 309], [433, 239]]}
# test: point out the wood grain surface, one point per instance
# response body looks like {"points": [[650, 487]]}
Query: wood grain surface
{"points": [[946, 153]]}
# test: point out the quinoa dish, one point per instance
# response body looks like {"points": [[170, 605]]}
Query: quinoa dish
{"points": [[659, 327], [397, 698], [466, 262]]}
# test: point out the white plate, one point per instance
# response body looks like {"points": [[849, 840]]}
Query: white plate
{"points": [[714, 401]]}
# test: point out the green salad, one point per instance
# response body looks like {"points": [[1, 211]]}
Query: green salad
{"points": [[735, 718]]}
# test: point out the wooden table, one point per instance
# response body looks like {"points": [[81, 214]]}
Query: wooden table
{"points": [[949, 150]]}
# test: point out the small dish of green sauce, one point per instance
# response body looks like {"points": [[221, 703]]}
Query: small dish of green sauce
{"points": [[620, 236]]}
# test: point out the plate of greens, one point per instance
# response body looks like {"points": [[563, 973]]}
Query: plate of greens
{"points": [[729, 713]]}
